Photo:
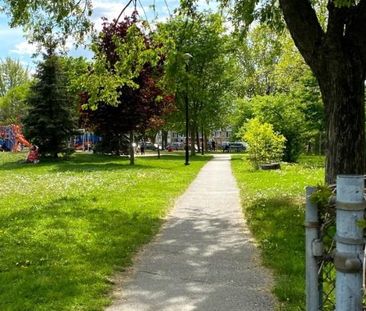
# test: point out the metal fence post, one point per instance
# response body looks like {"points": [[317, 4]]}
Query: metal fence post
{"points": [[311, 237], [350, 207]]}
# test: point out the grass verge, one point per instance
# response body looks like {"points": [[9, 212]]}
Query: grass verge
{"points": [[67, 226], [273, 203]]}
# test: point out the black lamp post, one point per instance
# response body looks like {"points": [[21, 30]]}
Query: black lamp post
{"points": [[187, 57]]}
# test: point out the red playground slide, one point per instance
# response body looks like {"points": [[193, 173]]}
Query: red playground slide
{"points": [[19, 138]]}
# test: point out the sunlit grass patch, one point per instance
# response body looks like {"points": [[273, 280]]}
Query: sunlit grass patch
{"points": [[273, 203], [67, 226]]}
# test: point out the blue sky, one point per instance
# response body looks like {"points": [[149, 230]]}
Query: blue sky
{"points": [[14, 45]]}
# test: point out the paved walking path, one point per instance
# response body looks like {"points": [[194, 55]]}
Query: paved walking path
{"points": [[203, 259]]}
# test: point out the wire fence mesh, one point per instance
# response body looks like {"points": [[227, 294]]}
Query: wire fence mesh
{"points": [[326, 268], [326, 272]]}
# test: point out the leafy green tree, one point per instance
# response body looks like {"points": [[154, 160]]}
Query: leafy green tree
{"points": [[204, 80], [12, 74], [73, 68], [293, 77], [279, 89], [308, 93], [13, 106], [265, 146], [121, 51], [257, 55], [286, 116], [139, 102], [242, 113], [50, 20], [49, 123], [334, 46]]}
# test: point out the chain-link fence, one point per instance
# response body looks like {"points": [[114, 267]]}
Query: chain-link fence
{"points": [[326, 271], [323, 254]]}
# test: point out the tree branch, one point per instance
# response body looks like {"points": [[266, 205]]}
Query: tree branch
{"points": [[355, 30], [305, 29]]}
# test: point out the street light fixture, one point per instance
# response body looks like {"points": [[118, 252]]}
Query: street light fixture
{"points": [[187, 57]]}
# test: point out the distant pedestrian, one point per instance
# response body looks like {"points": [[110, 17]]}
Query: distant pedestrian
{"points": [[142, 148], [213, 145]]}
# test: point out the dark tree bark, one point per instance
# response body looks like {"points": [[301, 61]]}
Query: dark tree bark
{"points": [[132, 149], [205, 142], [202, 141], [337, 57], [193, 130], [164, 139], [343, 96], [198, 141]]}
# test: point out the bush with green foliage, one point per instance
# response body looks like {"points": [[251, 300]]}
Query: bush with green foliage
{"points": [[265, 146], [286, 114], [50, 123]]}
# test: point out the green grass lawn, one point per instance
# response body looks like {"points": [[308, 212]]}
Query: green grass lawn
{"points": [[67, 226], [273, 203]]}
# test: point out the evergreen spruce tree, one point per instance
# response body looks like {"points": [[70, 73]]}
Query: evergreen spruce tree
{"points": [[50, 122]]}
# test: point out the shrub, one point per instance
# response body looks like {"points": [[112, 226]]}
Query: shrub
{"points": [[286, 114], [265, 146]]}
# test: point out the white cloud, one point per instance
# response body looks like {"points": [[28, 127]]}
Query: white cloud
{"points": [[108, 9], [204, 5], [24, 48], [10, 32], [111, 10]]}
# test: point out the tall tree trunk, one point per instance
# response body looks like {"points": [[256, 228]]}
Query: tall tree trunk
{"points": [[118, 151], [205, 142], [193, 140], [198, 140], [202, 141], [344, 98], [164, 139], [337, 57], [132, 149]]}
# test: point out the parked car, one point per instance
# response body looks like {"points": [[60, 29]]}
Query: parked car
{"points": [[149, 146], [175, 146], [234, 146]]}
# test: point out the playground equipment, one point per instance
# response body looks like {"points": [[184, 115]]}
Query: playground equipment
{"points": [[85, 141], [12, 139]]}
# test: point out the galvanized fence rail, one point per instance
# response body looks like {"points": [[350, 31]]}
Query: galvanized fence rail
{"points": [[334, 248]]}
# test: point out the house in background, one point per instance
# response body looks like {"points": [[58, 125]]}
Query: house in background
{"points": [[219, 136]]}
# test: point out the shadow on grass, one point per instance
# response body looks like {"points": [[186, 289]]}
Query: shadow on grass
{"points": [[123, 164], [177, 157], [277, 223], [76, 159], [92, 162], [108, 166], [58, 256]]}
